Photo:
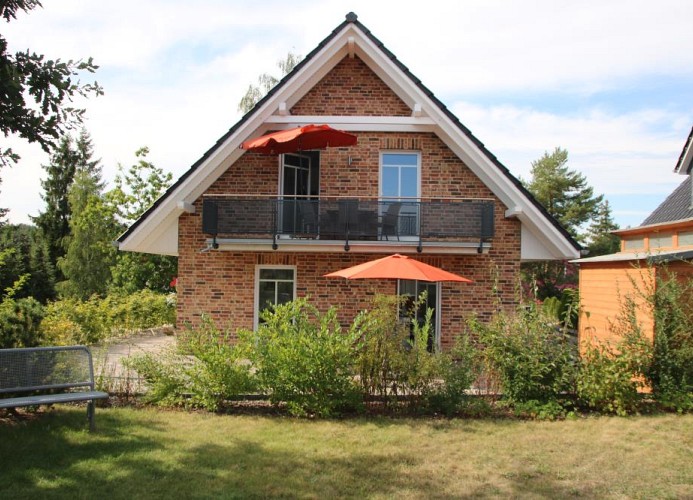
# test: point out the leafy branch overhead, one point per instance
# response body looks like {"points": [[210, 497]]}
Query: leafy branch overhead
{"points": [[36, 93]]}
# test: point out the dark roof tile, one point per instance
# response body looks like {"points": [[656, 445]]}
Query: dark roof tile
{"points": [[677, 206]]}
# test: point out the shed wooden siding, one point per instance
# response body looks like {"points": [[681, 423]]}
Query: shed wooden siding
{"points": [[603, 289]]}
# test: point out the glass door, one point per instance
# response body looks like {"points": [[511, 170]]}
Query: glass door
{"points": [[413, 289], [400, 190], [295, 186]]}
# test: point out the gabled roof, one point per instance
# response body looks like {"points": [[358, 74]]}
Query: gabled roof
{"points": [[677, 206], [156, 230], [685, 164]]}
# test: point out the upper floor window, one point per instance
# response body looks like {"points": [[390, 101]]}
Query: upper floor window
{"points": [[637, 243], [686, 238], [400, 175], [661, 241]]}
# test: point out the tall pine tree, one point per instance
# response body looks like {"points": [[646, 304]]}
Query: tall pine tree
{"points": [[69, 157], [564, 192], [601, 241], [26, 259]]}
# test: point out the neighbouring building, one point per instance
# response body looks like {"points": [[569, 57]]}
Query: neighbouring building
{"points": [[662, 243], [251, 229]]}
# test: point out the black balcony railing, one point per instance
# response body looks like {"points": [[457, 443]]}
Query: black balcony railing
{"points": [[347, 219]]}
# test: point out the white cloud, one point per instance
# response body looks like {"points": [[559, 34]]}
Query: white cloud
{"points": [[633, 152], [173, 72]]}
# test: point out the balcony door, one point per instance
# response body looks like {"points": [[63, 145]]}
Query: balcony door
{"points": [[413, 289], [298, 189], [400, 184]]}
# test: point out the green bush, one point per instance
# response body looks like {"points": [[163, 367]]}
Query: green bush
{"points": [[165, 375], [670, 372], [392, 353], [459, 369], [302, 358], [73, 321], [534, 360], [610, 377], [19, 323], [539, 410], [219, 370], [206, 372]]}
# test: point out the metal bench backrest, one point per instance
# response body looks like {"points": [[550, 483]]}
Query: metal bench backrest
{"points": [[43, 368]]}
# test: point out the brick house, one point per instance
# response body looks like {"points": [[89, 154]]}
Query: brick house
{"points": [[664, 237], [252, 229]]}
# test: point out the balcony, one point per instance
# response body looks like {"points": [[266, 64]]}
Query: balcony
{"points": [[362, 224]]}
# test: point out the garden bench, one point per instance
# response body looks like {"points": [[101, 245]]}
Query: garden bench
{"points": [[50, 375]]}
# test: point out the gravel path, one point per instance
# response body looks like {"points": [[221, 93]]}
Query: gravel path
{"points": [[108, 357]]}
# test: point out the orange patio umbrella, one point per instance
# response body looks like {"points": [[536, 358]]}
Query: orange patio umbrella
{"points": [[299, 139], [397, 267]]}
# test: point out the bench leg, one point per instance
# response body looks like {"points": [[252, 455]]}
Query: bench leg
{"points": [[90, 416]]}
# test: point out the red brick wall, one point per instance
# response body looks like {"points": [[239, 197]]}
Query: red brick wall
{"points": [[221, 284], [351, 89]]}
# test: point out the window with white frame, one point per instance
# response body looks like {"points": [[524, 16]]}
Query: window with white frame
{"points": [[274, 285], [400, 190]]}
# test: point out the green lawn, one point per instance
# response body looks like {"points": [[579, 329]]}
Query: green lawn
{"points": [[145, 453]]}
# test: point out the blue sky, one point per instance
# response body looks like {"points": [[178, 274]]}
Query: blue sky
{"points": [[611, 82]]}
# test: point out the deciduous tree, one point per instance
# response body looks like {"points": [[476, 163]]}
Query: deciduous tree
{"points": [[36, 93], [93, 227], [135, 191], [266, 82]]}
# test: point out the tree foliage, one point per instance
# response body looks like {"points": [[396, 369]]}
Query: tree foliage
{"points": [[26, 268], [90, 252], [36, 93], [135, 191], [601, 239], [266, 82], [69, 157], [564, 192]]}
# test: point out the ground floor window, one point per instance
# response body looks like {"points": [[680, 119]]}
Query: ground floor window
{"points": [[274, 285], [413, 289]]}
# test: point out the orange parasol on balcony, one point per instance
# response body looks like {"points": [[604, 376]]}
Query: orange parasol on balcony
{"points": [[299, 139], [397, 267]]}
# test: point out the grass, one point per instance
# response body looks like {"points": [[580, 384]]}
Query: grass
{"points": [[148, 453]]}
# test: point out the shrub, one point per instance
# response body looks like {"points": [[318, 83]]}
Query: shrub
{"points": [[610, 376], [670, 372], [74, 321], [538, 410], [303, 358], [392, 353], [460, 368], [211, 372], [19, 323], [533, 358]]}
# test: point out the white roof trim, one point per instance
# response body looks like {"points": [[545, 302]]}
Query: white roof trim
{"points": [[427, 116]]}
